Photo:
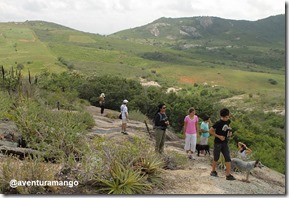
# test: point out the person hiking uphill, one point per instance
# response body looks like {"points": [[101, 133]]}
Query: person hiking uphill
{"points": [[161, 124]]}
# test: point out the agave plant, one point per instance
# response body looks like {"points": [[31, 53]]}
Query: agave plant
{"points": [[150, 164], [125, 181]]}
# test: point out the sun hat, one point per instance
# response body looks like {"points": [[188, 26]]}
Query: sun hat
{"points": [[125, 101]]}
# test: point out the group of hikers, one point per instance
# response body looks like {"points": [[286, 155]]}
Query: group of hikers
{"points": [[220, 130]]}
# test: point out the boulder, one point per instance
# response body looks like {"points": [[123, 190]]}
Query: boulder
{"points": [[9, 131]]}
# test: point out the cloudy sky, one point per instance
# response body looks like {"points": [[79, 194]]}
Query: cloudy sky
{"points": [[109, 16]]}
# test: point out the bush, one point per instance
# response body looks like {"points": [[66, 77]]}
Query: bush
{"points": [[109, 163], [125, 181], [26, 170], [272, 81], [137, 115], [58, 134]]}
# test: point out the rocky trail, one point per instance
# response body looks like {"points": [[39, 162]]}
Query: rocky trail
{"points": [[194, 177]]}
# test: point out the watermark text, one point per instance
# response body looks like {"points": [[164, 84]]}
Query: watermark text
{"points": [[15, 183]]}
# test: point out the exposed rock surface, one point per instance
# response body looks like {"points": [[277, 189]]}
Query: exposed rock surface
{"points": [[195, 177]]}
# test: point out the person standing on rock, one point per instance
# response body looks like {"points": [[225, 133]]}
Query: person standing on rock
{"points": [[222, 132], [101, 103], [191, 132], [160, 125], [124, 116]]}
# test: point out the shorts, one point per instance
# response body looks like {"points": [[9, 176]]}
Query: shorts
{"points": [[124, 121], [204, 140], [224, 148], [190, 142]]}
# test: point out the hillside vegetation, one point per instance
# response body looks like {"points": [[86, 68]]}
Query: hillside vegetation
{"points": [[211, 61]]}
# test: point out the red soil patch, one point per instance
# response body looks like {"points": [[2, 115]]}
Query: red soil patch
{"points": [[187, 80]]}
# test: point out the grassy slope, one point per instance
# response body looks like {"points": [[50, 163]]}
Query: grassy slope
{"points": [[42, 43], [19, 45]]}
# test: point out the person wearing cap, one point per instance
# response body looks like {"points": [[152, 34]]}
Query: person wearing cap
{"points": [[124, 116], [101, 103]]}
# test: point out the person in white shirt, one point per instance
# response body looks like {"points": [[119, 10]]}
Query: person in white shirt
{"points": [[124, 116], [243, 150]]}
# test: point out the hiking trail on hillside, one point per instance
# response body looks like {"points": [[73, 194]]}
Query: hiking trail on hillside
{"points": [[194, 177]]}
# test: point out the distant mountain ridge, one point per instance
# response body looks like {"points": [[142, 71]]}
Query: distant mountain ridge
{"points": [[203, 43], [264, 31]]}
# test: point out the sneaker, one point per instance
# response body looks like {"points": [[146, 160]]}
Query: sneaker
{"points": [[125, 133], [214, 174], [230, 177]]}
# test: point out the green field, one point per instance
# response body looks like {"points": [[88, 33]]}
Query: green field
{"points": [[39, 45]]}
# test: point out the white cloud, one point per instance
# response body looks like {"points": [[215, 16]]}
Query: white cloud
{"points": [[109, 16]]}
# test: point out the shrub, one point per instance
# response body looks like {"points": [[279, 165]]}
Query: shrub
{"points": [[58, 134], [26, 170], [5, 103], [137, 115], [125, 181], [272, 81]]}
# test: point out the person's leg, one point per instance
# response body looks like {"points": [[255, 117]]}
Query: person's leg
{"points": [[193, 143], [228, 168], [158, 136], [204, 141], [123, 126], [226, 154], [214, 165], [217, 150], [162, 142], [102, 109], [187, 144]]}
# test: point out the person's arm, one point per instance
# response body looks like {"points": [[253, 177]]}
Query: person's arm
{"points": [[212, 132], [157, 120], [248, 150], [197, 129], [185, 127], [203, 130], [240, 145]]}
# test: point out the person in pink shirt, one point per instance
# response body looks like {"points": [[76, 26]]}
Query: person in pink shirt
{"points": [[190, 132]]}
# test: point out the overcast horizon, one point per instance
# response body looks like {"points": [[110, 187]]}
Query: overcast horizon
{"points": [[110, 16]]}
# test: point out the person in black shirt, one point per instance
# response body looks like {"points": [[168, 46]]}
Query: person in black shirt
{"points": [[161, 123], [222, 132]]}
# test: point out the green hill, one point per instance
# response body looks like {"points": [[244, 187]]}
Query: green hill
{"points": [[202, 49], [212, 31], [209, 58]]}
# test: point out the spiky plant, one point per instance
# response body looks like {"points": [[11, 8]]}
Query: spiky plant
{"points": [[125, 180], [150, 164]]}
